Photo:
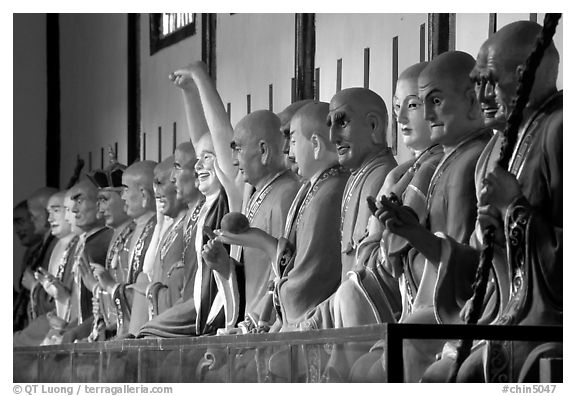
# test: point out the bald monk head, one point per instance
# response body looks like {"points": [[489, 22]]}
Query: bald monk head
{"points": [[84, 196], [138, 193], [184, 174], [208, 182], [37, 208], [450, 104], [56, 213], [358, 120], [499, 64], [165, 191], [258, 146], [310, 145], [409, 110], [285, 116]]}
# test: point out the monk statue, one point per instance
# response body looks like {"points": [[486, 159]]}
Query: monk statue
{"points": [[92, 246], [257, 163], [285, 117], [200, 310], [111, 209], [138, 196], [164, 283], [409, 181], [49, 278], [32, 301], [523, 202], [454, 115]]}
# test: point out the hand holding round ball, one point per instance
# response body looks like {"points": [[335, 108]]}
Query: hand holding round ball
{"points": [[235, 223]]}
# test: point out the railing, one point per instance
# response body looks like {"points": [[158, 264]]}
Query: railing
{"points": [[314, 356]]}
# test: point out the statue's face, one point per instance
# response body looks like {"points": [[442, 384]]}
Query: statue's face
{"points": [[68, 215], [248, 157], [133, 196], [208, 182], [409, 112], [38, 216], [184, 176], [85, 205], [111, 207], [349, 131], [23, 227], [503, 81], [484, 86], [56, 217], [289, 161], [446, 109], [166, 195], [301, 149]]}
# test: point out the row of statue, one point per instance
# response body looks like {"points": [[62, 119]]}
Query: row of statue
{"points": [[303, 220]]}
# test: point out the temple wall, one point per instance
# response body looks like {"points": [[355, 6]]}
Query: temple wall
{"points": [[93, 108], [160, 101], [29, 123]]}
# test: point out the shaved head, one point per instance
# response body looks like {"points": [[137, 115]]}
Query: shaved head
{"points": [[452, 67], [413, 72], [142, 173], [286, 115], [258, 144], [260, 125], [312, 117]]}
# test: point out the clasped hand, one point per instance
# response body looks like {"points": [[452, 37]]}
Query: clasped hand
{"points": [[398, 219]]}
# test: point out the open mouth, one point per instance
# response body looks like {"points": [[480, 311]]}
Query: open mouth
{"points": [[343, 149], [490, 112], [203, 176]]}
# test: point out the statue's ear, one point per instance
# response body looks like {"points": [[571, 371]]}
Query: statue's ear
{"points": [[317, 146], [264, 151], [145, 196], [378, 127]]}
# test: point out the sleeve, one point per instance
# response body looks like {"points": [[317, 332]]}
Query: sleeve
{"points": [[317, 263]]}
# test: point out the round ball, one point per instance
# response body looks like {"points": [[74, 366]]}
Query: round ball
{"points": [[235, 222]]}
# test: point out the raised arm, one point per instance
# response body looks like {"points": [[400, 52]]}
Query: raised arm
{"points": [[215, 115]]}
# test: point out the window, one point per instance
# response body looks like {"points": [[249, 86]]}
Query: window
{"points": [[169, 28]]}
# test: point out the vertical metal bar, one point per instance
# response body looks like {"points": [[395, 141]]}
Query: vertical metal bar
{"points": [[271, 97], [173, 137], [305, 47], [317, 84], [441, 34], [339, 75], [89, 161], [101, 157], [159, 144], [53, 148], [394, 126], [248, 104], [293, 92], [423, 42], [144, 146], [492, 24], [133, 88], [229, 110], [366, 67], [116, 151]]}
